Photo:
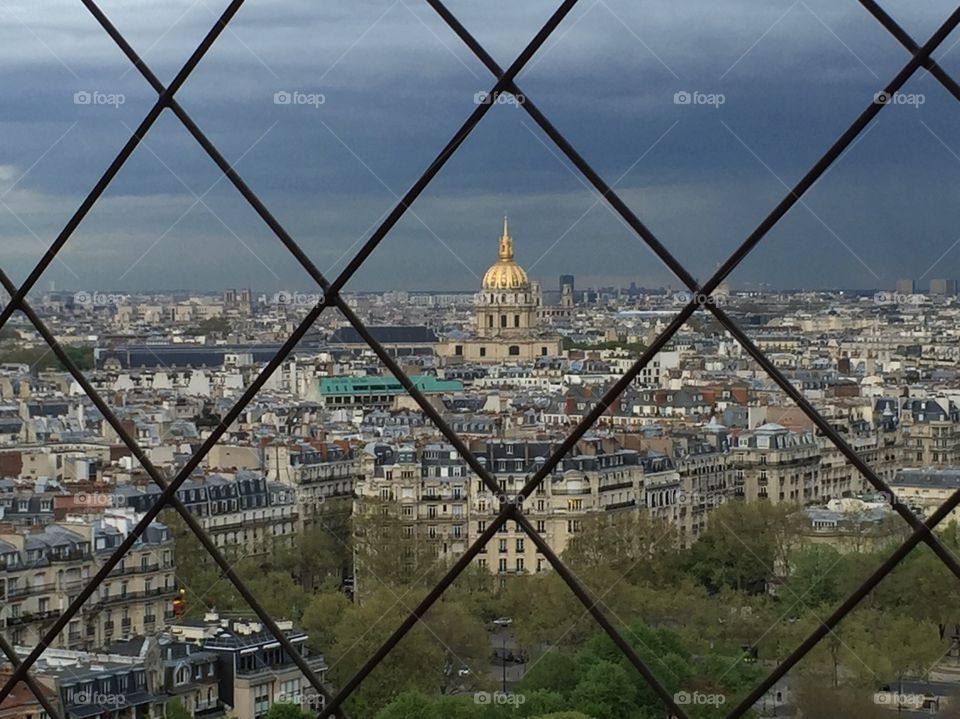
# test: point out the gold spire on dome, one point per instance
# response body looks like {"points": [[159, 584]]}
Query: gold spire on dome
{"points": [[506, 243], [506, 274]]}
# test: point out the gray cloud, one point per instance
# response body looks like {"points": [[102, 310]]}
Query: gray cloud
{"points": [[396, 83]]}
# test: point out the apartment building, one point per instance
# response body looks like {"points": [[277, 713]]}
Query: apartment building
{"points": [[774, 464], [41, 572], [925, 489], [242, 509], [255, 672], [321, 475], [878, 446], [930, 430], [438, 499]]}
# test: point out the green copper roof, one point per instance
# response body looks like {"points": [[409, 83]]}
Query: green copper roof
{"points": [[385, 385]]}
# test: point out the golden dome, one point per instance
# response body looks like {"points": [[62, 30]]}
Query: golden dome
{"points": [[505, 274]]}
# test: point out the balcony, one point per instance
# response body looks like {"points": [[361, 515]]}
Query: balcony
{"points": [[69, 556], [149, 619], [74, 636], [31, 617], [122, 570]]}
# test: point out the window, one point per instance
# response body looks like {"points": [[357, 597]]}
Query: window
{"points": [[502, 546], [514, 351], [261, 700], [483, 351], [289, 692]]}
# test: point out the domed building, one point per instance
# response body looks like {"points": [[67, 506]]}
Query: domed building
{"points": [[507, 308], [507, 303]]}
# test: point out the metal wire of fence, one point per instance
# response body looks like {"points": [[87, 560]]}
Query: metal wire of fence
{"points": [[511, 509]]}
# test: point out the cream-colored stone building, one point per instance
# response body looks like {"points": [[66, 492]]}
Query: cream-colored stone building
{"points": [[41, 572], [507, 322], [439, 500]]}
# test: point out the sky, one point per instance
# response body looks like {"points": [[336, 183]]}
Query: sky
{"points": [[378, 87]]}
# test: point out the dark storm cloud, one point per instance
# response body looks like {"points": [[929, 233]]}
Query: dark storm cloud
{"points": [[395, 84]]}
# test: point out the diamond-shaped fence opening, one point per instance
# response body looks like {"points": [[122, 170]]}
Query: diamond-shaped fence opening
{"points": [[511, 507]]}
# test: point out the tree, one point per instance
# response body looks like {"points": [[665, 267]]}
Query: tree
{"points": [[175, 710], [390, 551], [321, 616], [744, 544], [416, 663], [283, 710], [814, 576], [630, 544], [606, 691], [552, 672]]}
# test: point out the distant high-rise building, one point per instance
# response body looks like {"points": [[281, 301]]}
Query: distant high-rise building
{"points": [[943, 288], [905, 287], [566, 280]]}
